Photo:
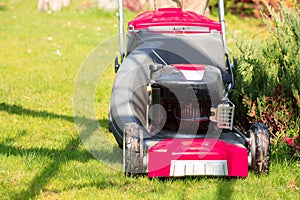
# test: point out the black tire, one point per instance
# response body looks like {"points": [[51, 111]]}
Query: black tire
{"points": [[251, 149], [259, 148], [118, 137], [133, 149]]}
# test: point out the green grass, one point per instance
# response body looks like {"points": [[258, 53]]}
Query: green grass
{"points": [[41, 154]]}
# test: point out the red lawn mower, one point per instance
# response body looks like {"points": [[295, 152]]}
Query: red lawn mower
{"points": [[170, 109]]}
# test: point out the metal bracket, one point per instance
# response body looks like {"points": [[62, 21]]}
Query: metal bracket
{"points": [[223, 115]]}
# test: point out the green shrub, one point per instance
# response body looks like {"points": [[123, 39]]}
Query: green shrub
{"points": [[249, 8], [268, 74]]}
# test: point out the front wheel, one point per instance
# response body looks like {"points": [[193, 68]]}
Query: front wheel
{"points": [[259, 148], [132, 149]]}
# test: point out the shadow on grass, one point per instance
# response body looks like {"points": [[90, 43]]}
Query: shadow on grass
{"points": [[59, 157], [70, 152], [20, 110]]}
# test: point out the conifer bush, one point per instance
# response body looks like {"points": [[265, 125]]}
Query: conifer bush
{"points": [[268, 76]]}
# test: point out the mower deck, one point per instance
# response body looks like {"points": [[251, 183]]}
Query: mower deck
{"points": [[177, 157]]}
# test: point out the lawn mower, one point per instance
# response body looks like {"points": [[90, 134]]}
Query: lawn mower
{"points": [[170, 107]]}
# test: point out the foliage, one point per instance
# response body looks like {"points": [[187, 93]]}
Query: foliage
{"points": [[250, 8], [268, 73]]}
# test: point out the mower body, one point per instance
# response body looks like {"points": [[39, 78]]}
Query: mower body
{"points": [[170, 110]]}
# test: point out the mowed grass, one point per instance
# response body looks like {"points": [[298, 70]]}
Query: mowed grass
{"points": [[41, 153]]}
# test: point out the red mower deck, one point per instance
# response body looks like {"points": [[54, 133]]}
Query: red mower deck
{"points": [[193, 157]]}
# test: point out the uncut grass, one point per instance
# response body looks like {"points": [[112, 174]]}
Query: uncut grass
{"points": [[40, 153]]}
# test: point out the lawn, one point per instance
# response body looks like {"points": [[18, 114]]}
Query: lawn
{"points": [[43, 61]]}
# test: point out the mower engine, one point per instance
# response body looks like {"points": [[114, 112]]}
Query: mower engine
{"points": [[186, 104]]}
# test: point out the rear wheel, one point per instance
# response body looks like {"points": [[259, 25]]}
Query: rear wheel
{"points": [[259, 148], [132, 149]]}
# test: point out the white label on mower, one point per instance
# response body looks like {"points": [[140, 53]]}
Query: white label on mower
{"points": [[198, 167], [179, 28], [193, 75]]}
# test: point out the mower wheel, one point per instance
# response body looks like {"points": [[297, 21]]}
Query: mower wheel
{"points": [[133, 149], [259, 148]]}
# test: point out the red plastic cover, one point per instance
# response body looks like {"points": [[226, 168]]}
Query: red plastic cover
{"points": [[162, 154], [164, 17], [192, 72]]}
